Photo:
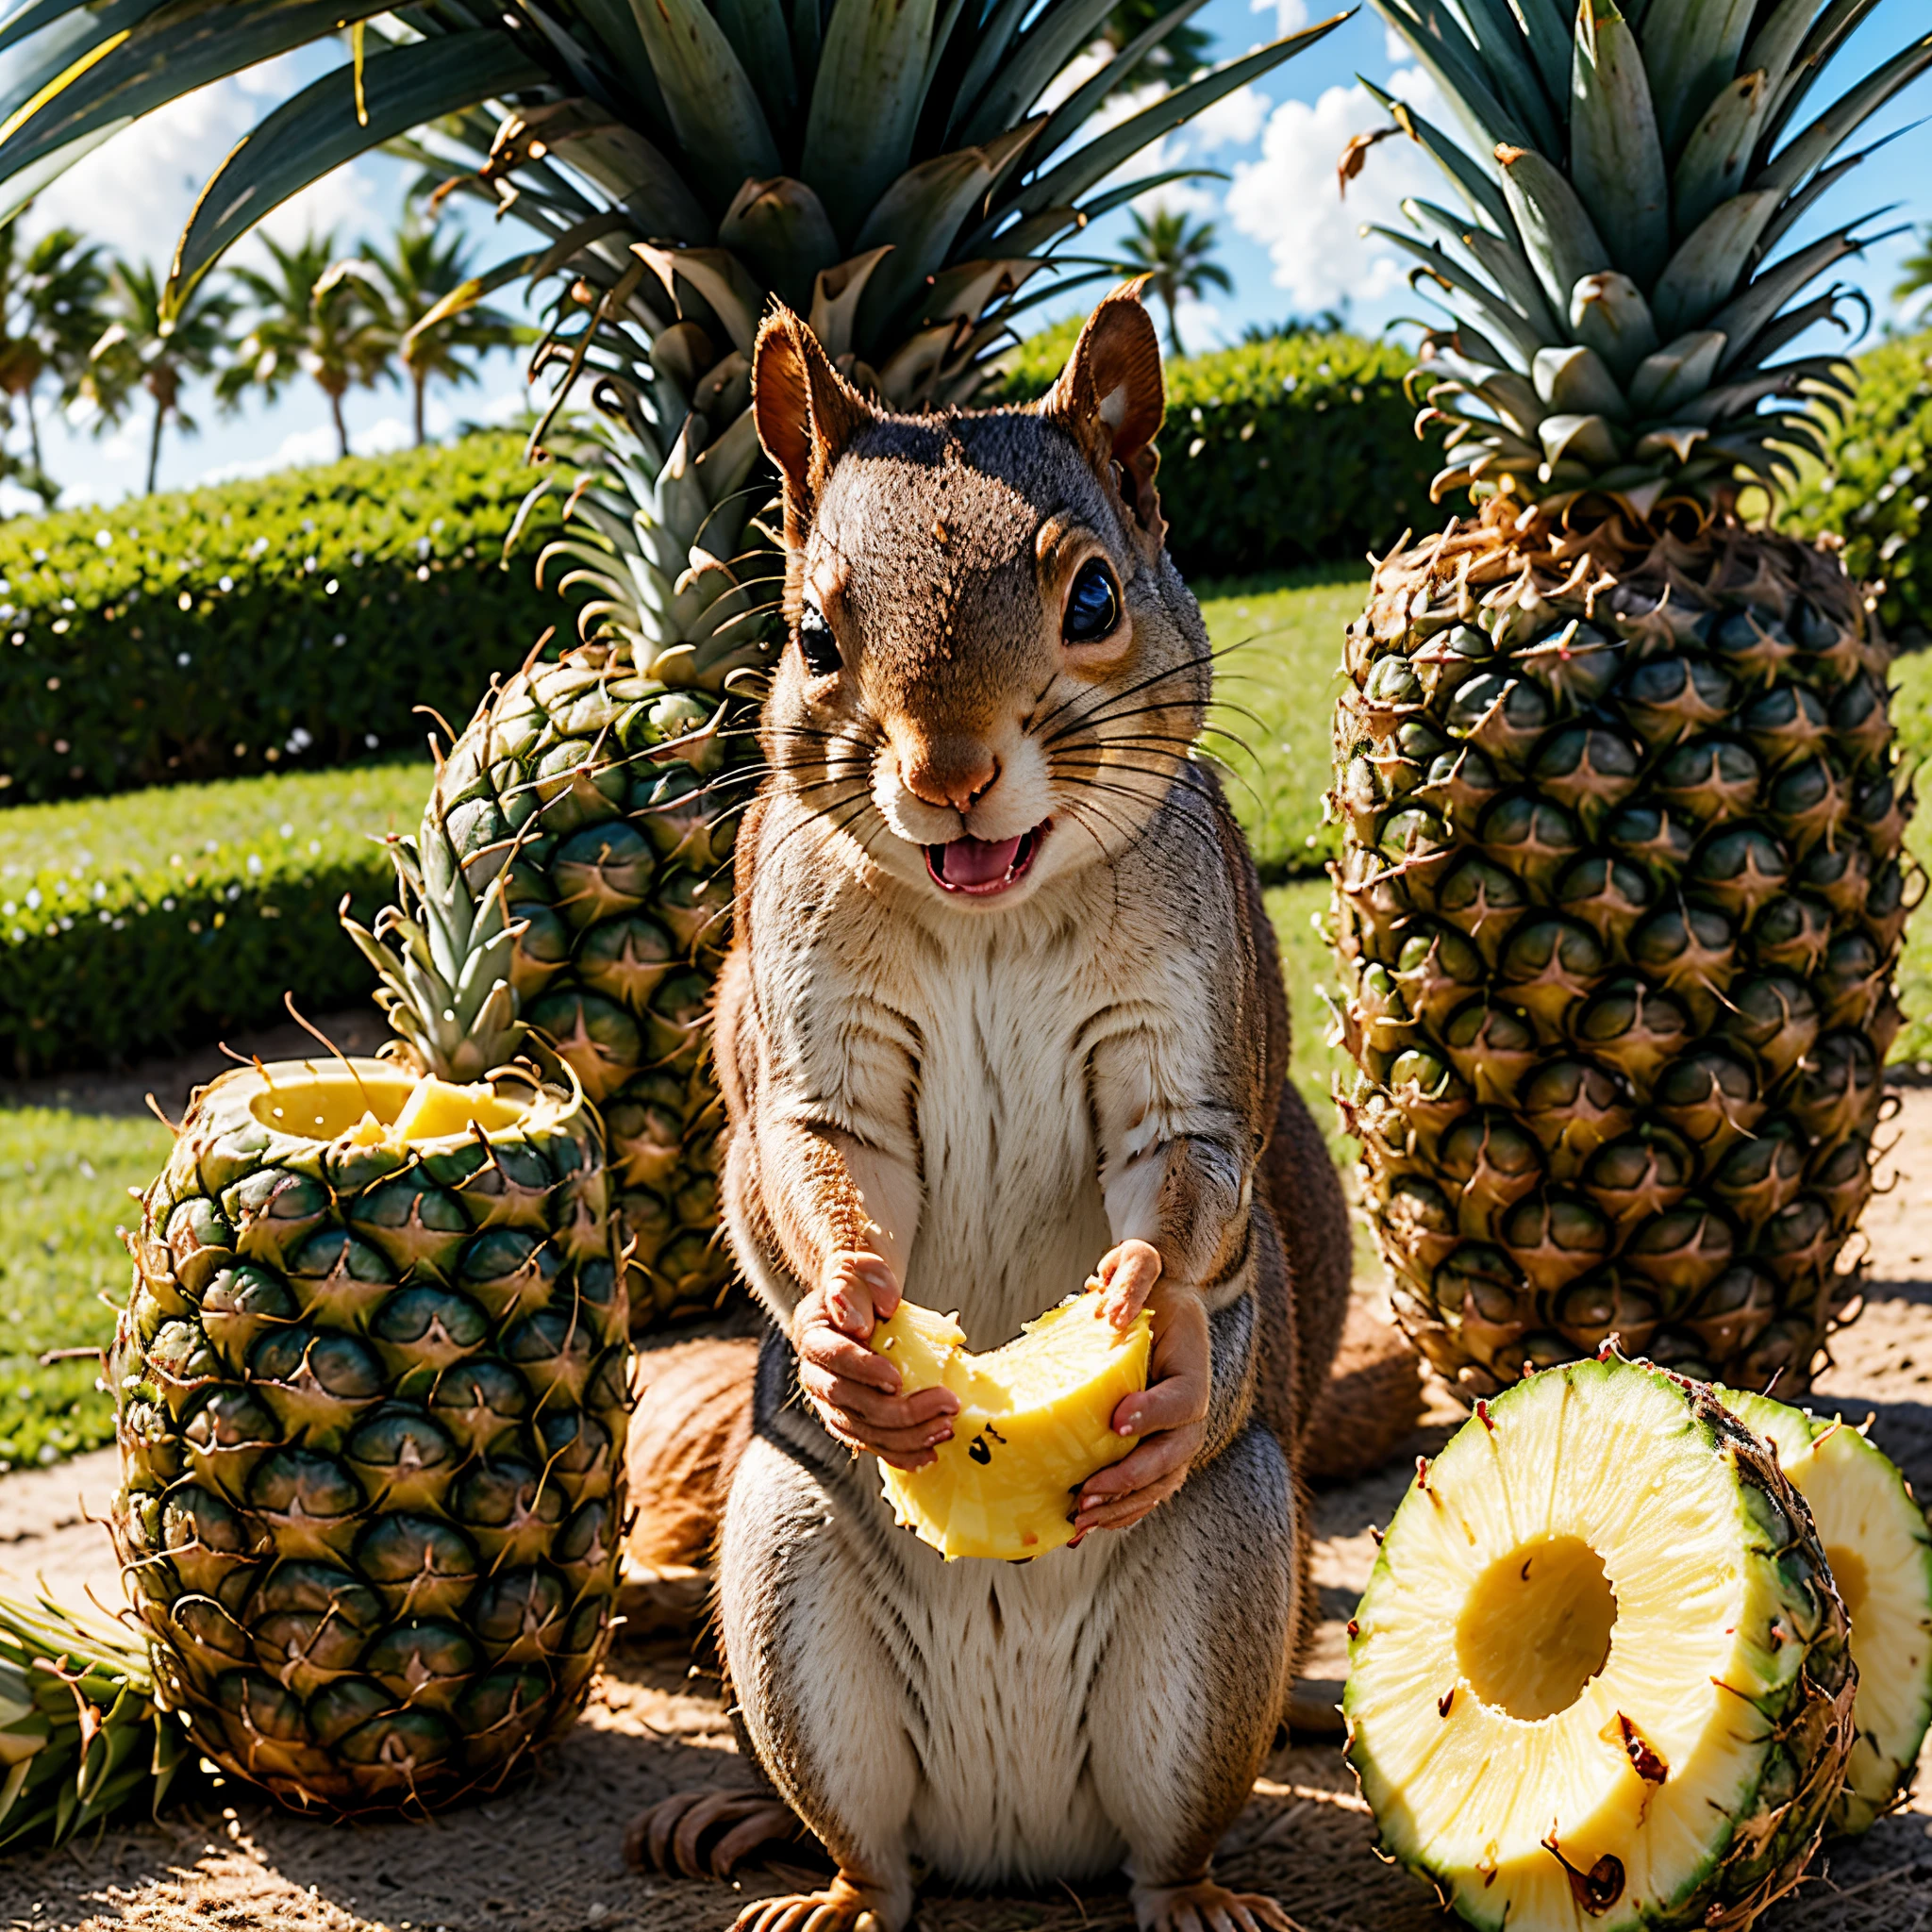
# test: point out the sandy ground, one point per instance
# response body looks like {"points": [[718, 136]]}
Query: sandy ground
{"points": [[546, 1858]]}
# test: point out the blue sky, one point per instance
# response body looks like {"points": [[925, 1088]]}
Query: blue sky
{"points": [[1287, 241]]}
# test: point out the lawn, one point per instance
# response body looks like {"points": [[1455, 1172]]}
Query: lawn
{"points": [[63, 1193], [64, 1176]]}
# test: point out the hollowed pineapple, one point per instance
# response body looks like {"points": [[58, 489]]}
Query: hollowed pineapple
{"points": [[371, 1399], [1876, 1538], [1034, 1424], [1600, 1676]]}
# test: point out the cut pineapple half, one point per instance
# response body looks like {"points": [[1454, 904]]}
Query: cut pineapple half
{"points": [[1876, 1538], [1034, 1423], [1599, 1677]]}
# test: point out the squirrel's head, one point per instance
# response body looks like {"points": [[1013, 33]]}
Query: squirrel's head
{"points": [[993, 669]]}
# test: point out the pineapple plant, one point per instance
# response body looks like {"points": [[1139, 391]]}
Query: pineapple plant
{"points": [[1600, 1676], [1034, 1421], [1881, 1552], [82, 1736], [370, 1393], [1623, 881], [896, 174]]}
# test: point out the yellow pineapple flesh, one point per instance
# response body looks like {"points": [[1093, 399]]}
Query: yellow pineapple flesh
{"points": [[1034, 1421]]}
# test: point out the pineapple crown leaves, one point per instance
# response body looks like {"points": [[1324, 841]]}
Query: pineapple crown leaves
{"points": [[1616, 312], [82, 1733], [885, 167], [445, 972]]}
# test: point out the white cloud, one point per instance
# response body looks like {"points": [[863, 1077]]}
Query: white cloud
{"points": [[1074, 76], [1398, 50], [1231, 122], [1288, 200], [1290, 16]]}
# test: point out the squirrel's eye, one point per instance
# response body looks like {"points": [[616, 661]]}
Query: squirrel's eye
{"points": [[1093, 605], [816, 643]]}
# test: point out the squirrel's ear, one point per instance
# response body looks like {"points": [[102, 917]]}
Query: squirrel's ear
{"points": [[1109, 397], [806, 411]]}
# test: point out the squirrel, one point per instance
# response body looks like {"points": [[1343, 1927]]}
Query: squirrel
{"points": [[1003, 1011]]}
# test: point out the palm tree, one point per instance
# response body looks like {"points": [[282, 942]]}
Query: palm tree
{"points": [[423, 293], [299, 327], [1918, 273], [51, 294], [1175, 258], [159, 347]]}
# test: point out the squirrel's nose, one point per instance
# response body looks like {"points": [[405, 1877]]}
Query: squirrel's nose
{"points": [[957, 772]]}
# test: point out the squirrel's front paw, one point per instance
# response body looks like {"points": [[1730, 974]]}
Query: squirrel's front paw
{"points": [[1168, 1416], [853, 1389]]}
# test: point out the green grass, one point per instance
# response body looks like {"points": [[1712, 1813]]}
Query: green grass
{"points": [[1277, 683], [138, 922], [63, 1192]]}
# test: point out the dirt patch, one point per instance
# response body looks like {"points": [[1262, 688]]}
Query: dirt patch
{"points": [[546, 1858]]}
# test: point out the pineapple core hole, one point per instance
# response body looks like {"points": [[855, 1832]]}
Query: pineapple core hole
{"points": [[1854, 1581], [1536, 1627]]}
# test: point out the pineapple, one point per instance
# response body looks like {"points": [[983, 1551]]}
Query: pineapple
{"points": [[1621, 889], [888, 170], [1881, 1552], [1034, 1423], [371, 1393], [1600, 1676]]}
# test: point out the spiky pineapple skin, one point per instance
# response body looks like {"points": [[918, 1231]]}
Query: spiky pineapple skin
{"points": [[610, 798], [371, 1405], [1617, 915]]}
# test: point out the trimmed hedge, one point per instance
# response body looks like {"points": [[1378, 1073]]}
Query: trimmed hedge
{"points": [[157, 919], [1876, 485], [293, 620], [1277, 454]]}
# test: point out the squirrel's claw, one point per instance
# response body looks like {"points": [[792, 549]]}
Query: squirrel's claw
{"points": [[841, 1907], [1206, 1907], [669, 1837]]}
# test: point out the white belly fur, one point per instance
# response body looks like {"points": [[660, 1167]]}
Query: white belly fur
{"points": [[1004, 1659], [1012, 1222], [1013, 1219]]}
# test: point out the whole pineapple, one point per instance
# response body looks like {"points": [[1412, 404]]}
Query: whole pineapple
{"points": [[370, 1393], [885, 169], [1622, 885]]}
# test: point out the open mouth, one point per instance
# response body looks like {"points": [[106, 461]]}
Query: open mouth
{"points": [[982, 867]]}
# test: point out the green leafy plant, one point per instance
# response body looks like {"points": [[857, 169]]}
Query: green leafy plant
{"points": [[163, 918], [299, 618], [1276, 453], [1872, 484]]}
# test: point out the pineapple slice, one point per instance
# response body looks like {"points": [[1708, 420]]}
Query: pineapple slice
{"points": [[1876, 1541], [1599, 1677], [1033, 1425]]}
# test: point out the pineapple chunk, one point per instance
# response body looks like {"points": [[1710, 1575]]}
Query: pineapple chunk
{"points": [[1033, 1425], [438, 1107]]}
